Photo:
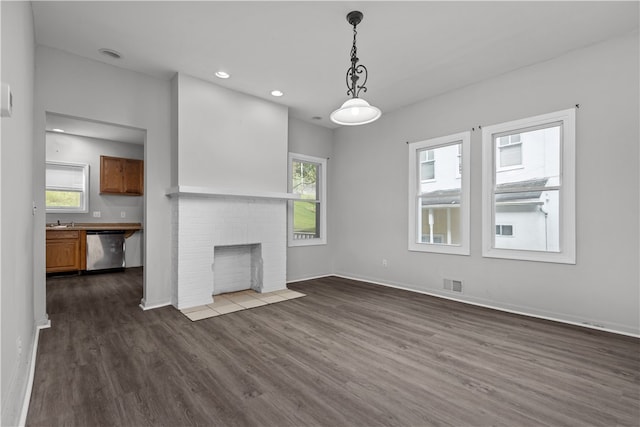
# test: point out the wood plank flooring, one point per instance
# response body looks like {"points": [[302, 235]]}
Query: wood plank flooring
{"points": [[347, 354]]}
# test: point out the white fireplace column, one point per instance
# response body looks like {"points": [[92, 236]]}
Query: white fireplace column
{"points": [[203, 219]]}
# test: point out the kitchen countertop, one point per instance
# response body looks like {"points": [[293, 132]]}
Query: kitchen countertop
{"points": [[97, 226]]}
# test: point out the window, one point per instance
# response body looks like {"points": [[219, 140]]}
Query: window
{"points": [[538, 197], [439, 210], [504, 230], [307, 216], [459, 170], [509, 151], [67, 186], [427, 165]]}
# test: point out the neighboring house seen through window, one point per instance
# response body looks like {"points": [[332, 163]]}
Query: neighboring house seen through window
{"points": [[538, 197], [439, 208], [307, 216]]}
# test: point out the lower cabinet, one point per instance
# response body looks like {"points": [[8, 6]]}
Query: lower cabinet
{"points": [[66, 250]]}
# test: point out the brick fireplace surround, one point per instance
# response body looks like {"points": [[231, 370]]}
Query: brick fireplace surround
{"points": [[203, 219]]}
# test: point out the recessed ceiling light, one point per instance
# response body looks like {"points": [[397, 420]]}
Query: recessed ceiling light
{"points": [[222, 75], [110, 53], [277, 93], [58, 130]]}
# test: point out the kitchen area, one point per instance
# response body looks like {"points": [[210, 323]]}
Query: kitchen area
{"points": [[94, 196]]}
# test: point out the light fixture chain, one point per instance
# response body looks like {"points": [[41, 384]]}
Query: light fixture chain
{"points": [[355, 111], [355, 69]]}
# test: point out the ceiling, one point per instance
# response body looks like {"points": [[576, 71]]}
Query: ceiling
{"points": [[413, 50], [92, 129]]}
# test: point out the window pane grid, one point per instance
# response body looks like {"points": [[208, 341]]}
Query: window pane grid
{"points": [[439, 195], [66, 186], [528, 202], [306, 214]]}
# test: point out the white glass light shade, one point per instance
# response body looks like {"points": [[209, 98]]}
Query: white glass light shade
{"points": [[355, 111]]}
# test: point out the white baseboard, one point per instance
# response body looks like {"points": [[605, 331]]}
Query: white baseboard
{"points": [[494, 307], [310, 278], [32, 371], [146, 307]]}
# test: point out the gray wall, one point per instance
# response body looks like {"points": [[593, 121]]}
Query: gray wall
{"points": [[304, 262], [229, 140], [16, 179], [70, 85], [370, 182]]}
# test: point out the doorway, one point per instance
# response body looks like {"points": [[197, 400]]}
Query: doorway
{"points": [[73, 202]]}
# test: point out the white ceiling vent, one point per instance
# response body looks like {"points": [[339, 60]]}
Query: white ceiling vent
{"points": [[453, 285]]}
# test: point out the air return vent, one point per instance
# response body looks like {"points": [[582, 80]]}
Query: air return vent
{"points": [[453, 285]]}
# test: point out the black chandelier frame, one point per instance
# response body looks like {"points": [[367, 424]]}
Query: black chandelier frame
{"points": [[355, 70]]}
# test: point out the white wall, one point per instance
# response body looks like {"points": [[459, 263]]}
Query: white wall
{"points": [[70, 85], [370, 221], [229, 140], [16, 253], [312, 261]]}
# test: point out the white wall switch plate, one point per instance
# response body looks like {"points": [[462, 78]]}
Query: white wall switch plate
{"points": [[97, 214]]}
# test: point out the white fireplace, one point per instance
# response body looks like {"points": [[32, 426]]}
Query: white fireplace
{"points": [[252, 228], [237, 268]]}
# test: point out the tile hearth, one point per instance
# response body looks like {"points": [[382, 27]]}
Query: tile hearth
{"points": [[236, 301]]}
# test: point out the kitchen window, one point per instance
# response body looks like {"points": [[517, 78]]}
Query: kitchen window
{"points": [[67, 187]]}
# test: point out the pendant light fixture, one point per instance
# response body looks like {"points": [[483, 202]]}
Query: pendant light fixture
{"points": [[355, 111]]}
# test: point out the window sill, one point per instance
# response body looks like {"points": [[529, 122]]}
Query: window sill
{"points": [[535, 256], [510, 168], [439, 248], [306, 242]]}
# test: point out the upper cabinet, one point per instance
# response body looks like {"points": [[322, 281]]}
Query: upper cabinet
{"points": [[121, 176]]}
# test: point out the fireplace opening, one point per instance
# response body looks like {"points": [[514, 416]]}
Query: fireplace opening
{"points": [[237, 268]]}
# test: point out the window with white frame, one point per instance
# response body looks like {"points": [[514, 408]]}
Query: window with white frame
{"points": [[504, 230], [307, 215], [538, 197], [509, 151], [459, 171], [67, 187], [439, 209], [427, 165]]}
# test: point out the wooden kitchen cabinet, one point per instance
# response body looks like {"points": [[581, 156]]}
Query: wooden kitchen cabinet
{"points": [[121, 176], [66, 250]]}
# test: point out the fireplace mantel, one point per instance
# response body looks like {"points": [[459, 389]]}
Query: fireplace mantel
{"points": [[206, 218], [207, 192]]}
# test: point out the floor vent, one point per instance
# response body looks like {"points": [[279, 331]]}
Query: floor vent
{"points": [[453, 285]]}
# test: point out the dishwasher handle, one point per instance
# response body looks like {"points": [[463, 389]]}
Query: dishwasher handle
{"points": [[105, 232]]}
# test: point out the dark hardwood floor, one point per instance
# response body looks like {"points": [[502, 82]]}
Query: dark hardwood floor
{"points": [[347, 354]]}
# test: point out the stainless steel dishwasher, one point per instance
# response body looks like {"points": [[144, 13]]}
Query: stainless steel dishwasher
{"points": [[105, 250]]}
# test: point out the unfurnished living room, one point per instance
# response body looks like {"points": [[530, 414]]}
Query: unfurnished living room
{"points": [[331, 213]]}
